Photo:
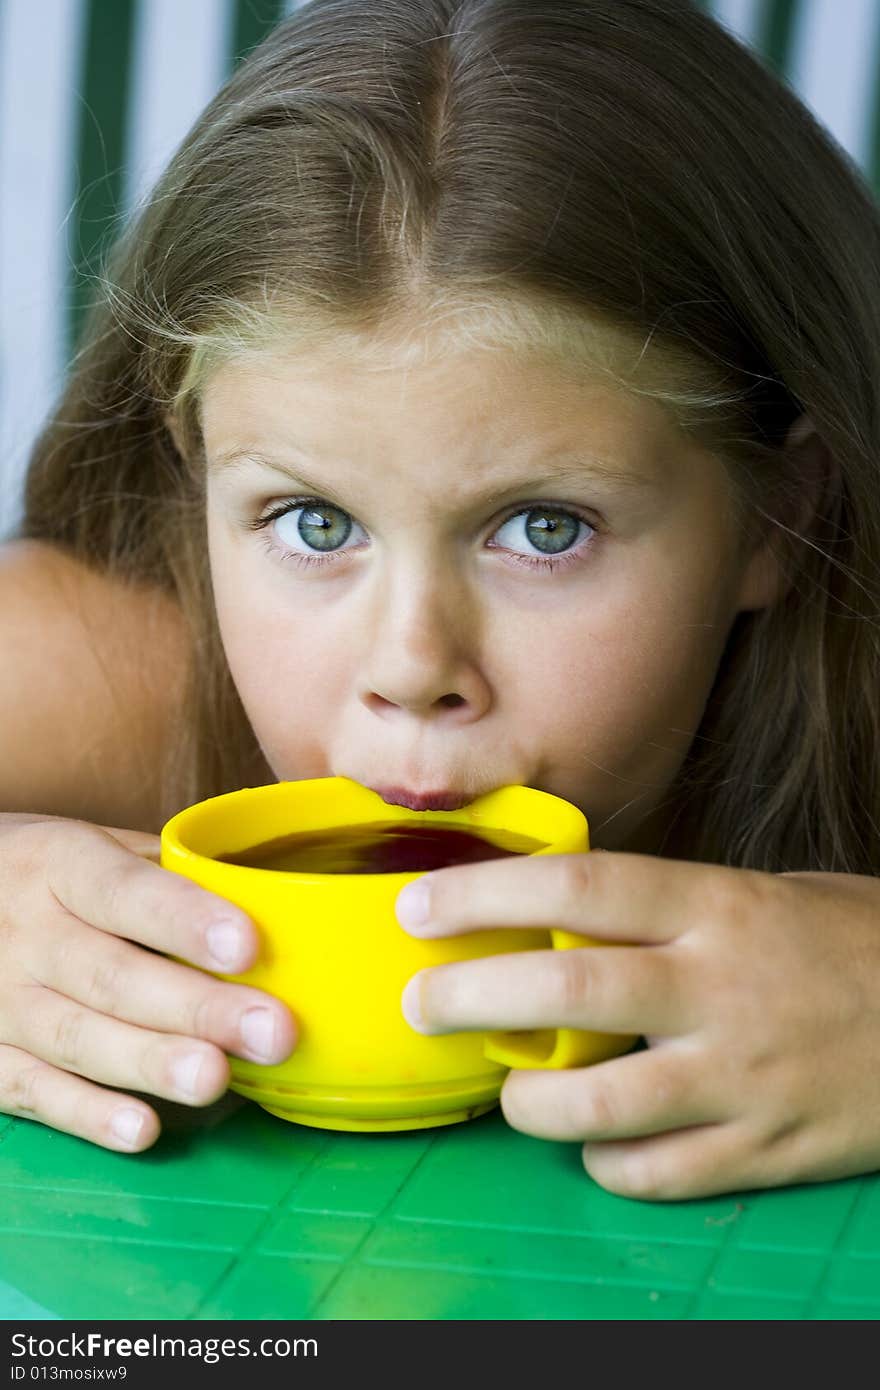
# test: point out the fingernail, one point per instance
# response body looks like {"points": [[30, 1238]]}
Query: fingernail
{"points": [[411, 1004], [126, 1124], [413, 906], [185, 1073], [224, 943], [258, 1033]]}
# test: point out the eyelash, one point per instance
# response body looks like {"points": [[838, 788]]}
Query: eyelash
{"points": [[547, 563]]}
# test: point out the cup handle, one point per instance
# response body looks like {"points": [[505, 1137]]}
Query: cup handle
{"points": [[555, 1048]]}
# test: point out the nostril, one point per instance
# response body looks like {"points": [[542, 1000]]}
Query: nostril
{"points": [[451, 701]]}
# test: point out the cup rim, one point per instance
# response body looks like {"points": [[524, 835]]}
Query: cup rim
{"points": [[176, 833]]}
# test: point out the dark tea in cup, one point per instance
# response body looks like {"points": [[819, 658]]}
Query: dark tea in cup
{"points": [[383, 847]]}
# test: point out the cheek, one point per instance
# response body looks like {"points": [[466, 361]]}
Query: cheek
{"points": [[291, 671], [619, 652], [624, 688]]}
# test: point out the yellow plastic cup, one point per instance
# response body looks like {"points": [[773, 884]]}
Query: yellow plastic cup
{"points": [[332, 949]]}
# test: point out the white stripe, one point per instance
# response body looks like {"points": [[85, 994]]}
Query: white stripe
{"points": [[833, 68], [741, 17], [181, 58], [40, 47]]}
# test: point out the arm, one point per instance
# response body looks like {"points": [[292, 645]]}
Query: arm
{"points": [[86, 697]]}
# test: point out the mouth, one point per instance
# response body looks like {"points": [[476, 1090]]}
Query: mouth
{"points": [[423, 801]]}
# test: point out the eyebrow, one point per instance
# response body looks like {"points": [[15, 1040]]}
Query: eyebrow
{"points": [[574, 467]]}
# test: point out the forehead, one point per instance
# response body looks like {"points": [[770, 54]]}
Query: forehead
{"points": [[442, 435], [467, 401]]}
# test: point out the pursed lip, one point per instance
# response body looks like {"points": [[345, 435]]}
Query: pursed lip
{"points": [[423, 801]]}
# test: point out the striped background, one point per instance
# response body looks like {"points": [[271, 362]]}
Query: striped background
{"points": [[96, 94]]}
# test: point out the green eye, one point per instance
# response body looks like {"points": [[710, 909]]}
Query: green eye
{"points": [[311, 530], [549, 530], [322, 527]]}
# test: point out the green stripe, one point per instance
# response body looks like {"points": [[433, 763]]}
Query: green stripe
{"points": [[252, 21], [776, 33], [874, 151], [100, 154]]}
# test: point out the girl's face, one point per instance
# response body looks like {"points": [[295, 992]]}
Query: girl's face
{"points": [[480, 571]]}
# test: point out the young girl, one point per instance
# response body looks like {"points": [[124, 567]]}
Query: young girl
{"points": [[491, 391]]}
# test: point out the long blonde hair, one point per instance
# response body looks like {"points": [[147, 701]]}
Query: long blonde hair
{"points": [[618, 180]]}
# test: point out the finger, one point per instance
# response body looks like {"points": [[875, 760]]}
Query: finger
{"points": [[629, 1097], [697, 1162], [63, 1033], [605, 894], [98, 880], [139, 842], [641, 990], [33, 1090], [119, 979]]}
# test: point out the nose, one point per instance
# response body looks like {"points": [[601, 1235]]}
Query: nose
{"points": [[423, 651]]}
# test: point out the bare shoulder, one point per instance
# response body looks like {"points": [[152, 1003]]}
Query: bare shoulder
{"points": [[91, 682]]}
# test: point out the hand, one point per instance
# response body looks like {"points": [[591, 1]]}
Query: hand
{"points": [[81, 1001], [758, 995]]}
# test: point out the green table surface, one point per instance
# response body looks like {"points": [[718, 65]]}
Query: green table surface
{"points": [[237, 1215]]}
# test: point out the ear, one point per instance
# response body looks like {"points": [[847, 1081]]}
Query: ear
{"points": [[766, 578], [171, 426]]}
